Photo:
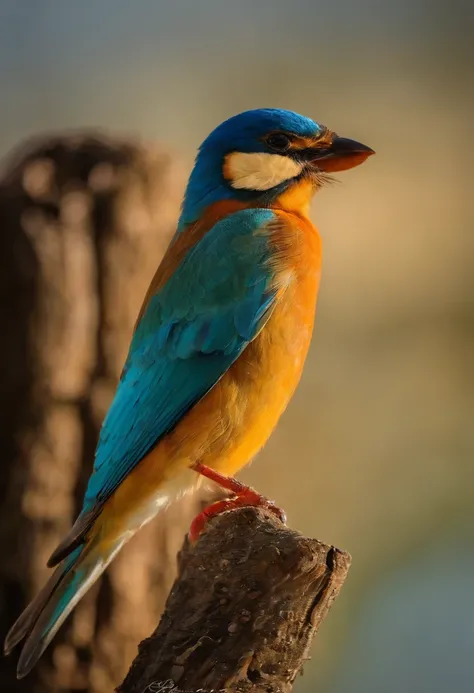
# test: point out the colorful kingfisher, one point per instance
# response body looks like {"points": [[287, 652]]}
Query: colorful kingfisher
{"points": [[217, 352]]}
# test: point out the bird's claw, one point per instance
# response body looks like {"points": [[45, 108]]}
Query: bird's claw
{"points": [[244, 496], [250, 498]]}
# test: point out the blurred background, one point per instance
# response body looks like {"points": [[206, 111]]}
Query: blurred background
{"points": [[375, 453]]}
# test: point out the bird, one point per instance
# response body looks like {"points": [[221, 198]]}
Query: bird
{"points": [[216, 353]]}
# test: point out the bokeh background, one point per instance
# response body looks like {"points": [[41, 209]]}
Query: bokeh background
{"points": [[383, 419]]}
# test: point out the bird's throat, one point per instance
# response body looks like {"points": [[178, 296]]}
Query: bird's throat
{"points": [[296, 199]]}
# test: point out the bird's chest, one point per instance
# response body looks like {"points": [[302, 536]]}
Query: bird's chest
{"points": [[259, 385], [272, 364]]}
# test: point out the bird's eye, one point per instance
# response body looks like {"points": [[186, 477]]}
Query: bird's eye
{"points": [[279, 142]]}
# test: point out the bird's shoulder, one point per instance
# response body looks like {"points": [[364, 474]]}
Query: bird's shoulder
{"points": [[223, 229]]}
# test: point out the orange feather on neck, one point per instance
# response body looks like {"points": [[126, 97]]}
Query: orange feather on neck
{"points": [[296, 199]]}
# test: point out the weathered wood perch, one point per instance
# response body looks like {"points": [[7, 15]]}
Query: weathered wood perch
{"points": [[241, 616]]}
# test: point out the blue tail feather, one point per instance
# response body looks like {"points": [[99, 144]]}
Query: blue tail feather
{"points": [[46, 613]]}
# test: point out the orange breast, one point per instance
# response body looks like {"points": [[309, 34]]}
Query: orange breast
{"points": [[255, 391]]}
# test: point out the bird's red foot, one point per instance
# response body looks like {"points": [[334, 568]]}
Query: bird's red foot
{"points": [[243, 496]]}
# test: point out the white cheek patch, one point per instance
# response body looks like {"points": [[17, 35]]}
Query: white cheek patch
{"points": [[259, 171]]}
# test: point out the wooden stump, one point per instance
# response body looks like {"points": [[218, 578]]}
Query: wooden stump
{"points": [[84, 221], [248, 600]]}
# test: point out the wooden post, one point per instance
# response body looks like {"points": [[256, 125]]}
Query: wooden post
{"points": [[241, 616], [85, 218]]}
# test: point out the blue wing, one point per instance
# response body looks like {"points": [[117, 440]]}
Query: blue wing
{"points": [[192, 330]]}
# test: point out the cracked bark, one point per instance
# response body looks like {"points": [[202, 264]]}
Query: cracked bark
{"points": [[241, 616]]}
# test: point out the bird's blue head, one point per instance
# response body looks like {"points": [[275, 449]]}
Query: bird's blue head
{"points": [[257, 155]]}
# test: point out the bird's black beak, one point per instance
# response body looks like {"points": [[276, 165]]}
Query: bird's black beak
{"points": [[340, 155]]}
